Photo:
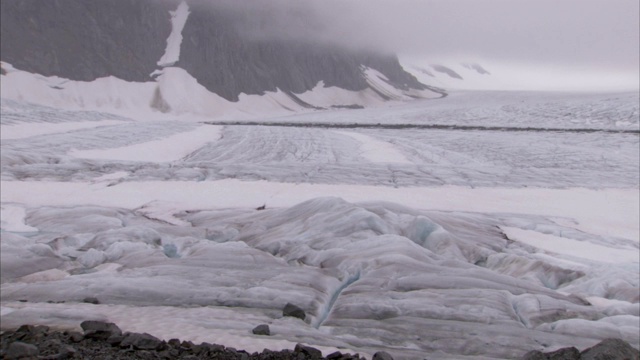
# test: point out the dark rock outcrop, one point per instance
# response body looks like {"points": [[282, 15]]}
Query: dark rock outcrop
{"points": [[477, 67], [446, 70]]}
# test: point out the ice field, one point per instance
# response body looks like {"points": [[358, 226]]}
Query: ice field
{"points": [[449, 243]]}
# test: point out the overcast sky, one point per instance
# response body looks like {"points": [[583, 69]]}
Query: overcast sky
{"points": [[576, 33]]}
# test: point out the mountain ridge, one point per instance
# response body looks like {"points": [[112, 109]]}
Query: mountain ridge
{"points": [[84, 41]]}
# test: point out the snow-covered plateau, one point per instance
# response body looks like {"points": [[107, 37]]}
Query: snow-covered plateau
{"points": [[481, 225]]}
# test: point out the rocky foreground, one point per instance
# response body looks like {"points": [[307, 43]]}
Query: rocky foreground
{"points": [[102, 340]]}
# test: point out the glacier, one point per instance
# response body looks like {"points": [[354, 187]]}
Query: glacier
{"points": [[446, 243]]}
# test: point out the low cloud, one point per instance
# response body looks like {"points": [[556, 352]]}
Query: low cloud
{"points": [[577, 33]]}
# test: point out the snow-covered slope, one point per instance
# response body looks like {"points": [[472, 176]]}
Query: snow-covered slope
{"points": [[173, 90]]}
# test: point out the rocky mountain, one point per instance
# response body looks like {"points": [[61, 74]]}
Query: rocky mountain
{"points": [[86, 40]]}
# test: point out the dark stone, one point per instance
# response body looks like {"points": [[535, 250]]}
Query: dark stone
{"points": [[570, 353], [174, 353], [25, 329], [91, 300], [382, 355], [215, 348], [41, 329], [308, 351], [174, 343], [165, 354], [334, 355], [262, 329], [534, 355], [99, 329], [293, 311], [610, 349], [203, 349], [141, 341], [31, 334], [67, 352], [186, 345], [75, 336], [115, 340], [20, 350], [51, 343]]}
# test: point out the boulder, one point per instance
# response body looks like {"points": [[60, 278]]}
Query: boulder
{"points": [[570, 353], [67, 352], [610, 349], [382, 355], [308, 351], [20, 350], [91, 300], [75, 336], [99, 329], [334, 355], [26, 329], [293, 311], [174, 343], [141, 341], [534, 355], [115, 340], [32, 332], [262, 329]]}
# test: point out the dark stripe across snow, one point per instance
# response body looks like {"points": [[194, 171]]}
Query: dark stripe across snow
{"points": [[419, 126]]}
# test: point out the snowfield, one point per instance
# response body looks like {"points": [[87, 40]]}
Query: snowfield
{"points": [[444, 243]]}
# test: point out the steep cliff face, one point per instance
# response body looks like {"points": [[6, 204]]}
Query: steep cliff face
{"points": [[85, 40], [228, 63]]}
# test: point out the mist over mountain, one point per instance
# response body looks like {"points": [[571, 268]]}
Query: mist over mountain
{"points": [[441, 179], [81, 40]]}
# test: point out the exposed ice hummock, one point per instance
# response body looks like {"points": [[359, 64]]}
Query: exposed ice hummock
{"points": [[390, 275]]}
